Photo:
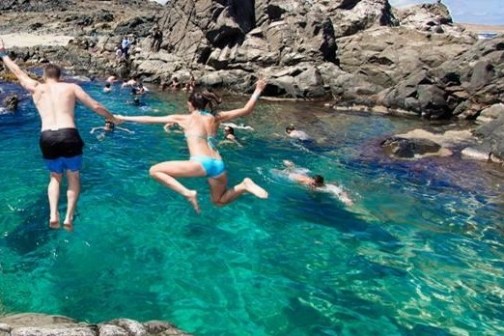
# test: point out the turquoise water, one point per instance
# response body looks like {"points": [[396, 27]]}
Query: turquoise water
{"points": [[421, 253]]}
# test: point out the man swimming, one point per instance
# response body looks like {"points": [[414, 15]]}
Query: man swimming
{"points": [[292, 132], [314, 182], [60, 141], [109, 127]]}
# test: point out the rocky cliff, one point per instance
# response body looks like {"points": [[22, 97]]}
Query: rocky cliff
{"points": [[413, 61]]}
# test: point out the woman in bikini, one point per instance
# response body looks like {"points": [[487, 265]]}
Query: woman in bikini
{"points": [[200, 128]]}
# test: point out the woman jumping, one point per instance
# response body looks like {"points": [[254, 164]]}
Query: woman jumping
{"points": [[200, 128]]}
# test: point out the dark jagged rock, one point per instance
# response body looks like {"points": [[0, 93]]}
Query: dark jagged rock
{"points": [[35, 5], [492, 135]]}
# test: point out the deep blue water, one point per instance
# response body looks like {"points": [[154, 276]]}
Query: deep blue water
{"points": [[421, 252]]}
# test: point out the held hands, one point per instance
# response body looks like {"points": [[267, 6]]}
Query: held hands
{"points": [[118, 119]]}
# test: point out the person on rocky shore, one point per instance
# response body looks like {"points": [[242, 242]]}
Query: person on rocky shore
{"points": [[200, 127], [60, 142], [157, 39]]}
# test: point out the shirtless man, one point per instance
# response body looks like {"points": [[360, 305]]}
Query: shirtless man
{"points": [[60, 141]]}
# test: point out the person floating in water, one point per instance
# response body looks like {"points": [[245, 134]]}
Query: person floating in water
{"points": [[315, 182], [109, 128], [60, 141], [230, 137], [131, 83], [200, 127], [241, 126], [292, 132], [107, 88]]}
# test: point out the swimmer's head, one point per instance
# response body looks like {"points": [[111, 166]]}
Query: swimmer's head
{"points": [[229, 130], [107, 85], [109, 126], [203, 100], [52, 71], [136, 101], [318, 181], [289, 129]]}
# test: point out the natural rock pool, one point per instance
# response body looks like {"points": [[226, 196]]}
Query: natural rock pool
{"points": [[421, 252]]}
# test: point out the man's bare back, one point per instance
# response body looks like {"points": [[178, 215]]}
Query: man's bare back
{"points": [[55, 103]]}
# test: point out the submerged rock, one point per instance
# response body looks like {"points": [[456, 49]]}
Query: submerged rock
{"points": [[404, 148]]}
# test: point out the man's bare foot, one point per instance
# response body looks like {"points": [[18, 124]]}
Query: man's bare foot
{"points": [[254, 189], [68, 225], [193, 199], [54, 223]]}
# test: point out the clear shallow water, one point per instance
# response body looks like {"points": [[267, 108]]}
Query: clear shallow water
{"points": [[420, 253]]}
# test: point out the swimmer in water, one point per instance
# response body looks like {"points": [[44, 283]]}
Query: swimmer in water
{"points": [[315, 182], [107, 88], [200, 127], [241, 126], [109, 128], [230, 137], [292, 132]]}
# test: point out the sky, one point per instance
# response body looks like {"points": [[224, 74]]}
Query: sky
{"points": [[468, 11]]}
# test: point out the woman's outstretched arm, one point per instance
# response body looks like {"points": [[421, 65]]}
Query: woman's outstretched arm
{"points": [[247, 109], [152, 120]]}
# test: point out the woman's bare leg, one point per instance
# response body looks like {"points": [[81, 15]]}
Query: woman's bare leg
{"points": [[166, 172], [223, 196]]}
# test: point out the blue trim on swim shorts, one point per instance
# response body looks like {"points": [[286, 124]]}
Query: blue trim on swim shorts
{"points": [[212, 167], [62, 164]]}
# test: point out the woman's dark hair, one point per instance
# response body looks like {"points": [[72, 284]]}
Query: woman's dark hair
{"points": [[229, 130], [107, 85], [110, 124], [318, 180], [205, 100], [289, 129]]}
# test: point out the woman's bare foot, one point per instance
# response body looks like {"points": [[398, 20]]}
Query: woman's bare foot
{"points": [[54, 223], [254, 189], [192, 197]]}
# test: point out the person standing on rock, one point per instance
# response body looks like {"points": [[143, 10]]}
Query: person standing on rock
{"points": [[157, 39], [125, 45], [60, 141], [200, 127]]}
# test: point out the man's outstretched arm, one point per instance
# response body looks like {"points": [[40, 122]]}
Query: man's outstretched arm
{"points": [[25, 80], [98, 108]]}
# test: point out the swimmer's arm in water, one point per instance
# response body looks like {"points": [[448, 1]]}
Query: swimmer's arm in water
{"points": [[125, 130], [94, 129], [25, 80], [98, 108], [247, 109], [170, 119]]}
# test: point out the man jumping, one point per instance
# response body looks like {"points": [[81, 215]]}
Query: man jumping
{"points": [[60, 141]]}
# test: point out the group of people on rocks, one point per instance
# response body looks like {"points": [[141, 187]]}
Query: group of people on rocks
{"points": [[62, 146]]}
